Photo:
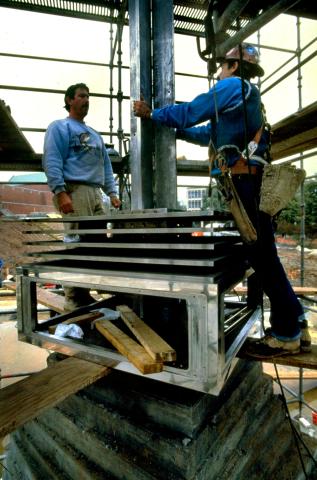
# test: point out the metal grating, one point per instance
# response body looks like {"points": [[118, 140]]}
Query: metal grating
{"points": [[107, 11], [188, 14]]}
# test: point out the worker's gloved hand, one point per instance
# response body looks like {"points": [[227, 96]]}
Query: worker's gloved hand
{"points": [[141, 109], [65, 203]]}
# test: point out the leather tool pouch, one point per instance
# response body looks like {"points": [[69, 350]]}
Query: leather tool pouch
{"points": [[227, 188], [279, 185], [241, 218]]}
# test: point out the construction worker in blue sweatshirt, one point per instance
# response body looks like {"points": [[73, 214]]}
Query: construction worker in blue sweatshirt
{"points": [[77, 167]]}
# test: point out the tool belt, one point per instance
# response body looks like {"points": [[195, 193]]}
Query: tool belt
{"points": [[227, 188], [242, 168]]}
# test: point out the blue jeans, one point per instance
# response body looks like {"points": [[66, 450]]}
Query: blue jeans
{"points": [[286, 310]]}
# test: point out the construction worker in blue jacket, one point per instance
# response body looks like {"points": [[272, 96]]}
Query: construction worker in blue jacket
{"points": [[235, 129]]}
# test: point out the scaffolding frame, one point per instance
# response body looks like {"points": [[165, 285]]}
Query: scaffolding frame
{"points": [[116, 14]]}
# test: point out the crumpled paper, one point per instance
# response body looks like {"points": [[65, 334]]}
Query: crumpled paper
{"points": [[69, 330]]}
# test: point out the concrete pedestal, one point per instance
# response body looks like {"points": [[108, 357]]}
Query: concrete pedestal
{"points": [[128, 427]]}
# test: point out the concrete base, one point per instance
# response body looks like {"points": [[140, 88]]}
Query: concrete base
{"points": [[128, 427]]}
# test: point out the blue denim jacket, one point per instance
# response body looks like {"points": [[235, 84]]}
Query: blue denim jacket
{"points": [[222, 106]]}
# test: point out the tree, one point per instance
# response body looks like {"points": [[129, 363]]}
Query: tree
{"points": [[311, 202], [290, 217], [291, 214]]}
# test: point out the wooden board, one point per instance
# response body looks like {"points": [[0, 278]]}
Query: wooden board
{"points": [[289, 373], [134, 352], [155, 346], [51, 300], [241, 290], [81, 319], [45, 297], [301, 360], [26, 399]]}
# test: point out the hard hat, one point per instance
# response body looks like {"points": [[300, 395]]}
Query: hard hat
{"points": [[249, 55]]}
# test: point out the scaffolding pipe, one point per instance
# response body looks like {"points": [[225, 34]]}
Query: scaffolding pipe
{"points": [[112, 47], [292, 70], [302, 190], [280, 67]]}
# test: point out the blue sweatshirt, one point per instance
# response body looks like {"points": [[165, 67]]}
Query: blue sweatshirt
{"points": [[222, 107], [74, 152]]}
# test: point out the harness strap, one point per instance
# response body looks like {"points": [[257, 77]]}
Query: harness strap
{"points": [[241, 166]]}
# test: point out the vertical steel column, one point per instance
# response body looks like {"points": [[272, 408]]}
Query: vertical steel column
{"points": [[164, 88], [140, 85]]}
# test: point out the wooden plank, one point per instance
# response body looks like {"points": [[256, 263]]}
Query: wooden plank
{"points": [[288, 373], [301, 360], [155, 346], [45, 297], [51, 300], [295, 133], [81, 319], [242, 290], [134, 352], [24, 400]]}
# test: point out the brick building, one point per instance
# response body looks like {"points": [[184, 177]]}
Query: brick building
{"points": [[21, 196]]}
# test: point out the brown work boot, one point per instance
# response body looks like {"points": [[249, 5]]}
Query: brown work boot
{"points": [[270, 347], [305, 340]]}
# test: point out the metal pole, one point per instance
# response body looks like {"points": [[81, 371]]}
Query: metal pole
{"points": [[120, 92], [302, 206], [140, 85], [302, 190], [164, 88], [111, 82]]}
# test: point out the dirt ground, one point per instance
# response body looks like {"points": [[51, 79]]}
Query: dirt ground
{"points": [[290, 254]]}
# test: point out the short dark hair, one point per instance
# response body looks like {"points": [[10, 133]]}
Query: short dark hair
{"points": [[71, 91], [244, 70]]}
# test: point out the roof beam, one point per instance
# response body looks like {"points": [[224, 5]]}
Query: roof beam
{"points": [[279, 7]]}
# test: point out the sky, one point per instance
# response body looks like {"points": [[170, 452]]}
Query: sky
{"points": [[35, 34]]}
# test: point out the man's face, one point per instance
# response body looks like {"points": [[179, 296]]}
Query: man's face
{"points": [[79, 105], [225, 71]]}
